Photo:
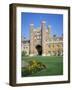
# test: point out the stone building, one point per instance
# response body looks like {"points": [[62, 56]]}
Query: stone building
{"points": [[42, 42]]}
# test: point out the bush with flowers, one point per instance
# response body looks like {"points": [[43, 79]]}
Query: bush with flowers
{"points": [[33, 67]]}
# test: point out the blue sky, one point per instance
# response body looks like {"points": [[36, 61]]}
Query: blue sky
{"points": [[55, 20]]}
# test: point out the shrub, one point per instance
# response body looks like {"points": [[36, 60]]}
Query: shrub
{"points": [[33, 67], [24, 53]]}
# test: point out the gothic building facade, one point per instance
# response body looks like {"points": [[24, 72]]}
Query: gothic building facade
{"points": [[41, 42]]}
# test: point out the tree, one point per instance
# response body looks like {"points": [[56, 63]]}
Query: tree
{"points": [[24, 53]]}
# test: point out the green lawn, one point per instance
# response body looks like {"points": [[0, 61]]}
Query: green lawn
{"points": [[54, 65]]}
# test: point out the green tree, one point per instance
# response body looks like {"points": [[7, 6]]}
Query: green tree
{"points": [[24, 53]]}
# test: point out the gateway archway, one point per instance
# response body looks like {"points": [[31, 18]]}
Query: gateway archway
{"points": [[39, 49]]}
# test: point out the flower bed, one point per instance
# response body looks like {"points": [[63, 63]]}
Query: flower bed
{"points": [[33, 67]]}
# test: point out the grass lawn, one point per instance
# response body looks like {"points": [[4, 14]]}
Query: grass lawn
{"points": [[54, 65]]}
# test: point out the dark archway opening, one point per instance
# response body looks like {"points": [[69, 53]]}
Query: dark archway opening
{"points": [[39, 49]]}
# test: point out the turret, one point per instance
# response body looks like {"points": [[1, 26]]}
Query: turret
{"points": [[43, 25], [31, 40], [49, 29], [43, 30], [31, 27]]}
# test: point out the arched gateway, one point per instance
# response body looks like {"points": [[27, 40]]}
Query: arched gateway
{"points": [[39, 49]]}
